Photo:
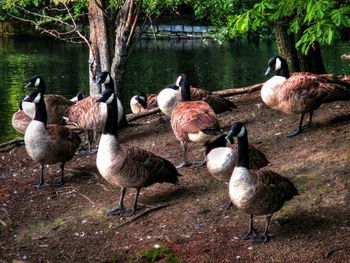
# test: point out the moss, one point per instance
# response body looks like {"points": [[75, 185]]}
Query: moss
{"points": [[155, 254]]}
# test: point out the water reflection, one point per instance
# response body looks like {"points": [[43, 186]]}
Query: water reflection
{"points": [[208, 65]]}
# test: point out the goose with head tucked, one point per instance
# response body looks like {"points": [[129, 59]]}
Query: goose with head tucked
{"points": [[48, 143], [259, 192], [193, 121], [300, 93], [127, 166], [56, 105], [91, 116], [168, 98], [142, 102], [222, 157]]}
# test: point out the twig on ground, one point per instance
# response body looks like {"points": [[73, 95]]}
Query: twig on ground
{"points": [[151, 209]]}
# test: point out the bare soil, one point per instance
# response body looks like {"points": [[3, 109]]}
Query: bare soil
{"points": [[68, 224]]}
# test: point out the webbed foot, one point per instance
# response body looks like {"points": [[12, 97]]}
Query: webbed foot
{"points": [[57, 183], [293, 133], [115, 211], [226, 205], [196, 164], [248, 235], [40, 185], [261, 239]]}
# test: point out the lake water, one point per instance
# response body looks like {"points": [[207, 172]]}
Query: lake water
{"points": [[209, 65]]}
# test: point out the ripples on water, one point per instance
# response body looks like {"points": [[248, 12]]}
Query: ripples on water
{"points": [[209, 65]]}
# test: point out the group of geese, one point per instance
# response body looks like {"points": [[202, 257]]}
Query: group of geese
{"points": [[193, 118]]}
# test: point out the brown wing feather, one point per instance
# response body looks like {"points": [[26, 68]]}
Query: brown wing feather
{"points": [[197, 93], [142, 168], [152, 101], [272, 190], [20, 121], [56, 106], [192, 117]]}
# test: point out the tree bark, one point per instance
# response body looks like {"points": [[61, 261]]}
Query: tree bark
{"points": [[286, 46], [100, 51]]}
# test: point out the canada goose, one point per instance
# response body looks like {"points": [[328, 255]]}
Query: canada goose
{"points": [[128, 166], [192, 121], [20, 120], [171, 95], [301, 92], [56, 105], [142, 102], [48, 144], [168, 98], [89, 115], [222, 157], [258, 192]]}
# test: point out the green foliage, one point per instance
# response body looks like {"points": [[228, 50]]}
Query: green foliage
{"points": [[155, 254], [314, 20]]}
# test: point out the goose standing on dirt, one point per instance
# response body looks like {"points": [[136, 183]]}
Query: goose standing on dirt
{"points": [[56, 105], [301, 92], [259, 192], [192, 121], [90, 116], [48, 144], [127, 166], [222, 157], [142, 102]]}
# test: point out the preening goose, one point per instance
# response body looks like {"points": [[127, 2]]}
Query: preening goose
{"points": [[192, 121], [20, 120], [301, 92], [142, 102], [48, 144], [89, 115], [168, 98], [127, 166], [56, 105], [259, 192], [222, 157]]}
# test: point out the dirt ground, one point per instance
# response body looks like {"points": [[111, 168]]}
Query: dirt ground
{"points": [[188, 224]]}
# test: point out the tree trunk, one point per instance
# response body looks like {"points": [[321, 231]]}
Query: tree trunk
{"points": [[100, 52], [286, 46], [125, 25]]}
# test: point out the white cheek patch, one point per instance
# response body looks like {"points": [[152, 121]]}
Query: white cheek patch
{"points": [[108, 79], [178, 81], [242, 132], [110, 99], [37, 98], [37, 82], [278, 64]]}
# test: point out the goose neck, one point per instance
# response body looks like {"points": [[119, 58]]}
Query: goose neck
{"points": [[243, 152], [40, 111]]}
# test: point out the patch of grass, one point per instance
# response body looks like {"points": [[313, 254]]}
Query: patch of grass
{"points": [[155, 254]]}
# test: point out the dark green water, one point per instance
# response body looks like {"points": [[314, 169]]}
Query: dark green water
{"points": [[209, 65]]}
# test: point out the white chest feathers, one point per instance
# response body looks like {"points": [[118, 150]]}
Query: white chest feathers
{"points": [[35, 139], [167, 100], [241, 188], [270, 87], [107, 149], [221, 162], [29, 109]]}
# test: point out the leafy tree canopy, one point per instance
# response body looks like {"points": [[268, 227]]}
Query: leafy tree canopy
{"points": [[314, 20]]}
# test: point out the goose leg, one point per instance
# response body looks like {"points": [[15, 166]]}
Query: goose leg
{"points": [[296, 131], [130, 212], [120, 208], [261, 239], [184, 152], [251, 233], [200, 163], [90, 136], [41, 183], [60, 182], [309, 121]]}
